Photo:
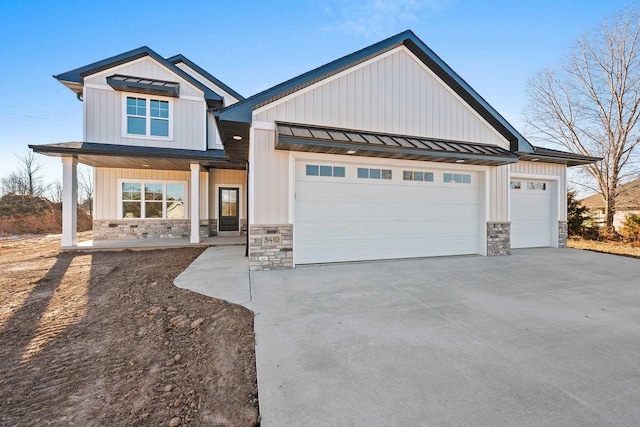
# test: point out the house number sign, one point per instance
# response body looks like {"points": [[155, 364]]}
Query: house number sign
{"points": [[271, 240]]}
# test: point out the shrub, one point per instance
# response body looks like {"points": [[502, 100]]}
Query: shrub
{"points": [[576, 215], [631, 227]]}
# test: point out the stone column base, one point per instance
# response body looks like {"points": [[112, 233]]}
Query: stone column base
{"points": [[270, 247], [563, 233], [498, 238]]}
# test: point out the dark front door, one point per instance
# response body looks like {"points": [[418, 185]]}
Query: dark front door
{"points": [[228, 214]]}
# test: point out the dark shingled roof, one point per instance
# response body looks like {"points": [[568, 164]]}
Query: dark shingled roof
{"points": [[629, 198]]}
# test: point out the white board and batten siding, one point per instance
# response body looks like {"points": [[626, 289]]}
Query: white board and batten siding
{"points": [[103, 109], [270, 179], [108, 181], [392, 93]]}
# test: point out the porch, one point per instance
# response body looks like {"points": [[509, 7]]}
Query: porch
{"points": [[156, 243]]}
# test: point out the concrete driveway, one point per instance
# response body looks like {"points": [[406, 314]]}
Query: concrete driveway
{"points": [[543, 337]]}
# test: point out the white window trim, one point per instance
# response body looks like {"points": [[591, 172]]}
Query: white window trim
{"points": [[164, 183], [125, 95]]}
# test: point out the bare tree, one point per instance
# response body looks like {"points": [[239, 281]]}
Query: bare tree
{"points": [[27, 180], [591, 104], [15, 183], [55, 192], [85, 187]]}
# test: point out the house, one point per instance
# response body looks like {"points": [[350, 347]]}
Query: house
{"points": [[627, 202], [384, 153]]}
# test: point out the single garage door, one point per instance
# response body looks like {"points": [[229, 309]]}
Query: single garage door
{"points": [[346, 212], [531, 215]]}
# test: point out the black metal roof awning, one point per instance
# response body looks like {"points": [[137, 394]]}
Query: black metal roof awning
{"points": [[132, 157], [548, 155], [319, 139], [142, 85]]}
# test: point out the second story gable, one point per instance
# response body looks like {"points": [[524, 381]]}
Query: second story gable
{"points": [[142, 99]]}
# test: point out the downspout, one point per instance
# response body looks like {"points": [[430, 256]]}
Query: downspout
{"points": [[246, 251]]}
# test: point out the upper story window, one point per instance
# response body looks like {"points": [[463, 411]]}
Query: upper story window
{"points": [[147, 117]]}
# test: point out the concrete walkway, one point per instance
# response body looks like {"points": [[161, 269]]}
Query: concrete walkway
{"points": [[220, 272], [155, 243], [543, 337]]}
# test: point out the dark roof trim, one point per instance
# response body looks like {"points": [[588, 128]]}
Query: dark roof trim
{"points": [[295, 137], [142, 85], [181, 58], [75, 148], [242, 111], [556, 156], [77, 75]]}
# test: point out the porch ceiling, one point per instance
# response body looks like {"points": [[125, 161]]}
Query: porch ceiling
{"points": [[130, 157]]}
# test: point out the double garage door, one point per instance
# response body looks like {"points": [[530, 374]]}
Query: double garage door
{"points": [[358, 212]]}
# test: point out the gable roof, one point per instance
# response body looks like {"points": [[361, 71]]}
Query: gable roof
{"points": [[242, 111], [628, 198], [181, 58], [74, 79]]}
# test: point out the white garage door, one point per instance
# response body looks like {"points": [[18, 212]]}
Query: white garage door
{"points": [[349, 212], [531, 215]]}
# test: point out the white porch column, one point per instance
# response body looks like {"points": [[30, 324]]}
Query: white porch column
{"points": [[194, 209], [69, 202]]}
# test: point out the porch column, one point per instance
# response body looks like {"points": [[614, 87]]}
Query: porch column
{"points": [[194, 210], [69, 202]]}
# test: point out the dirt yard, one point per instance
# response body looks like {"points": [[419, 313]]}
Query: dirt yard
{"points": [[610, 247], [104, 338]]}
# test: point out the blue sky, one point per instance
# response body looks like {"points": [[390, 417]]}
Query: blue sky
{"points": [[252, 45]]}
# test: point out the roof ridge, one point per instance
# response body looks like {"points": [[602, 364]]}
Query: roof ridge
{"points": [[181, 58]]}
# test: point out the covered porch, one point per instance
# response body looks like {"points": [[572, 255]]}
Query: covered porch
{"points": [[153, 197]]}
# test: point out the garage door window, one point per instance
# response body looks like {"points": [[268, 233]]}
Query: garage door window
{"points": [[374, 173], [323, 170], [516, 185], [417, 176], [536, 186], [457, 178]]}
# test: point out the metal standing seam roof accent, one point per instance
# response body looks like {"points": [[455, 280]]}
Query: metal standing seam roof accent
{"points": [[77, 75], [242, 111], [181, 58], [298, 137], [143, 85], [556, 156]]}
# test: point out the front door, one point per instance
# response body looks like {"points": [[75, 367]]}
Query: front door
{"points": [[228, 213]]}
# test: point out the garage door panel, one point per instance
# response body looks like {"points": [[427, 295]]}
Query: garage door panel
{"points": [[379, 248], [351, 219], [531, 218]]}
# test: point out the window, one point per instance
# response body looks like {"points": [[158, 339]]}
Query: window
{"points": [[375, 173], [536, 186], [417, 176], [147, 117], [153, 200], [458, 178], [516, 185], [316, 170]]}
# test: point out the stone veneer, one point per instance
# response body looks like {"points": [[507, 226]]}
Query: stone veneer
{"points": [[563, 232], [118, 229], [498, 238], [275, 256], [213, 227]]}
